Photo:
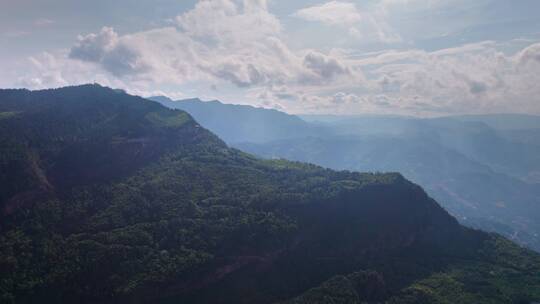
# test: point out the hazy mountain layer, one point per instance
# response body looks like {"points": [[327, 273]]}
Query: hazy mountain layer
{"points": [[237, 123]]}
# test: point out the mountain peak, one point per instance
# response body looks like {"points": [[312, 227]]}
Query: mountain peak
{"points": [[115, 133]]}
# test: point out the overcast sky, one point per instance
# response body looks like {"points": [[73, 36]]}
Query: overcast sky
{"points": [[417, 57]]}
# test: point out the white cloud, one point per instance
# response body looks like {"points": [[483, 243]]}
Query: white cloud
{"points": [[322, 68], [235, 42], [368, 24], [93, 47], [530, 55], [240, 49], [472, 79], [118, 56], [56, 70], [333, 13]]}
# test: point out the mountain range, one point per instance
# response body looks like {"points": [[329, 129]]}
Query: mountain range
{"points": [[483, 169], [112, 198]]}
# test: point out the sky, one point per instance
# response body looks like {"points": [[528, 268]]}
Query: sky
{"points": [[411, 57]]}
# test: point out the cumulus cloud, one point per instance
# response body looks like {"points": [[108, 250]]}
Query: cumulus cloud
{"points": [[530, 54], [323, 68], [115, 55], [47, 70], [474, 78], [237, 42], [93, 47]]}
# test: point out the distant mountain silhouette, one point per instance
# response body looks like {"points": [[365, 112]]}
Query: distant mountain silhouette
{"points": [[239, 123]]}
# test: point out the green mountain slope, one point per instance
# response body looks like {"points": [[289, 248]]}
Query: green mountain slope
{"points": [[482, 169], [473, 192], [110, 198], [470, 281]]}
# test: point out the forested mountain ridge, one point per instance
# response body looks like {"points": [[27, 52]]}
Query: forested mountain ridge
{"points": [[470, 190], [483, 169], [110, 198], [73, 136]]}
